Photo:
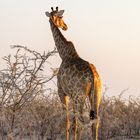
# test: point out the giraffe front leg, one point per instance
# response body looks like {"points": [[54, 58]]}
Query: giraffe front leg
{"points": [[75, 126], [67, 118], [75, 122]]}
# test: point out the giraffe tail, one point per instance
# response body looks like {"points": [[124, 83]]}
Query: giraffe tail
{"points": [[95, 96]]}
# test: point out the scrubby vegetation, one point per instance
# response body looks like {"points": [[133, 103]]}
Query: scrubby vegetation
{"points": [[30, 111]]}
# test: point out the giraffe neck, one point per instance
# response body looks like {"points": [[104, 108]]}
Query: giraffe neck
{"points": [[65, 48]]}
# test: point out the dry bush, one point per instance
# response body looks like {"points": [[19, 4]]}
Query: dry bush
{"points": [[29, 111], [44, 118], [20, 82], [120, 117]]}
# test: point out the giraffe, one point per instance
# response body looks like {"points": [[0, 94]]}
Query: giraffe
{"points": [[77, 79]]}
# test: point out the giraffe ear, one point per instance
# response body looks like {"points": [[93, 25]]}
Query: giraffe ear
{"points": [[59, 13], [47, 14]]}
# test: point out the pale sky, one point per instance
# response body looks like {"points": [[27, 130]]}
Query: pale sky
{"points": [[104, 32]]}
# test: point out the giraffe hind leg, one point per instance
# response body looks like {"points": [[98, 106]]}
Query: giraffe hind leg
{"points": [[95, 128]]}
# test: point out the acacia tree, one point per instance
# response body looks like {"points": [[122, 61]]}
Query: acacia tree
{"points": [[22, 80]]}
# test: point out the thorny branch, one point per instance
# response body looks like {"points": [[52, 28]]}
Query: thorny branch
{"points": [[22, 80]]}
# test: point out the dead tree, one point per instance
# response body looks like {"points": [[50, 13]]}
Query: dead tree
{"points": [[22, 80]]}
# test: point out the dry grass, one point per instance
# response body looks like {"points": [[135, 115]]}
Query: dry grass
{"points": [[44, 118]]}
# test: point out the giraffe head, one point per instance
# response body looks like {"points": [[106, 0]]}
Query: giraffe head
{"points": [[57, 18]]}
